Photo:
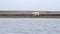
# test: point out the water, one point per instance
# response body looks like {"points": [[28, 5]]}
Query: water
{"points": [[29, 26]]}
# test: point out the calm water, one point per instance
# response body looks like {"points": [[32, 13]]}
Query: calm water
{"points": [[29, 26]]}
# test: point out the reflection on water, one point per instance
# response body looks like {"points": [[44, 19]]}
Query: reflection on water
{"points": [[29, 26]]}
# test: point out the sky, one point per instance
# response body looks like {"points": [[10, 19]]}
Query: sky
{"points": [[43, 5]]}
